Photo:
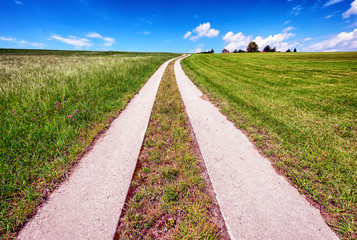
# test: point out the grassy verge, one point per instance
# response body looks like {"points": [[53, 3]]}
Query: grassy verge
{"points": [[52, 105], [168, 197], [301, 111]]}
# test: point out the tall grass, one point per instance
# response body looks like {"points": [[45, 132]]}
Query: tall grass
{"points": [[52, 105], [301, 111]]}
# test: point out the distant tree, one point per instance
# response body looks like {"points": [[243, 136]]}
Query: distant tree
{"points": [[273, 50], [225, 51], [288, 50], [241, 51], [295, 50], [235, 51], [252, 47], [267, 49], [212, 51]]}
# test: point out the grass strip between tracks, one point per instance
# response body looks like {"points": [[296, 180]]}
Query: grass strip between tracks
{"points": [[168, 196]]}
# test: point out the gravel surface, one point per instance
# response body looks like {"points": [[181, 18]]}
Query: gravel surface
{"points": [[89, 204], [256, 202]]}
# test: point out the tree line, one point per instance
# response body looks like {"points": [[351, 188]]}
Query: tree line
{"points": [[253, 47]]}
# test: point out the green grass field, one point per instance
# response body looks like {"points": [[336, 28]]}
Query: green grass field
{"points": [[52, 105], [300, 109]]}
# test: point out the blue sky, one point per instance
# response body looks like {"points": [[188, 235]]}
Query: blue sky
{"points": [[178, 26]]}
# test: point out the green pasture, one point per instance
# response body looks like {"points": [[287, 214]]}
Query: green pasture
{"points": [[300, 109]]}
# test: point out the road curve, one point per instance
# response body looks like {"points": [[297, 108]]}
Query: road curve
{"points": [[256, 202]]}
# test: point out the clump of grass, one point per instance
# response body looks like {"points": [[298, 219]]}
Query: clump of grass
{"points": [[52, 105], [168, 197], [300, 109]]}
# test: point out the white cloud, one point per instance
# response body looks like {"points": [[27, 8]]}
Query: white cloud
{"points": [[187, 35], [344, 41], [21, 42], [6, 38], [287, 21], [352, 25], [84, 42], [212, 33], [203, 30], [240, 41], [108, 40], [296, 10], [236, 41], [39, 45], [329, 16], [306, 39], [276, 40], [94, 35], [288, 29], [198, 49], [352, 10], [75, 41], [18, 2], [331, 2]]}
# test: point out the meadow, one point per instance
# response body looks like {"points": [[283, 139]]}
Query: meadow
{"points": [[300, 110], [52, 105]]}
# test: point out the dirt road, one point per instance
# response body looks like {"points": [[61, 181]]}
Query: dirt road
{"points": [[256, 202]]}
